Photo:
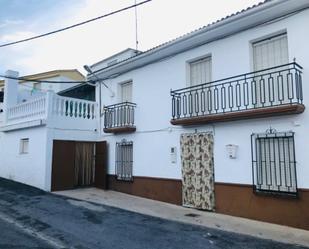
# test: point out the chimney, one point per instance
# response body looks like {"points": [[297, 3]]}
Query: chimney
{"points": [[10, 91]]}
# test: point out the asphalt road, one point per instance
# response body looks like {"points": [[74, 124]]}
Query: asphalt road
{"points": [[30, 218]]}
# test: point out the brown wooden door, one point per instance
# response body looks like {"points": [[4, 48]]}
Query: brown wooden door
{"points": [[100, 178], [63, 165]]}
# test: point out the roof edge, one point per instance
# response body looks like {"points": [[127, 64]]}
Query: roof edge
{"points": [[267, 5]]}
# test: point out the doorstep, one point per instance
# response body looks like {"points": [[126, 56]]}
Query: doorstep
{"points": [[191, 216]]}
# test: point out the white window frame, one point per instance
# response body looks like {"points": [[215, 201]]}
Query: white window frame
{"points": [[24, 146]]}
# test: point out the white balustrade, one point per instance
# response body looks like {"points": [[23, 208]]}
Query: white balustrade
{"points": [[73, 108], [56, 111], [32, 109]]}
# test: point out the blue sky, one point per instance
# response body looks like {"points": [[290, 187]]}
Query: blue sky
{"points": [[159, 21], [21, 12]]}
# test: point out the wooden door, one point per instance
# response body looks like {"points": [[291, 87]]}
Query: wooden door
{"points": [[63, 165], [100, 180], [67, 158], [197, 170]]}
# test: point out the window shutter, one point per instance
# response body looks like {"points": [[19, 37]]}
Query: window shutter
{"points": [[200, 71], [126, 92], [270, 53]]}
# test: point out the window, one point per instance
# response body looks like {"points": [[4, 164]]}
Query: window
{"points": [[124, 160], [270, 52], [24, 146], [274, 163], [126, 92], [200, 71]]}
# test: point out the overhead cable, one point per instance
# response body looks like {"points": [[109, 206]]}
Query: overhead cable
{"points": [[74, 25]]}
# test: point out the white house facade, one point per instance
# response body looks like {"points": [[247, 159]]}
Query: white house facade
{"points": [[214, 120]]}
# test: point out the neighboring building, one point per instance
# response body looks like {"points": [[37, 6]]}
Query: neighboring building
{"points": [[228, 137], [29, 86]]}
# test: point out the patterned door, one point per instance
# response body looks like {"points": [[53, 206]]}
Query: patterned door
{"points": [[197, 170]]}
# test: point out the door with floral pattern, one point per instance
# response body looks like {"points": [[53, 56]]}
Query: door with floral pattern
{"points": [[197, 170]]}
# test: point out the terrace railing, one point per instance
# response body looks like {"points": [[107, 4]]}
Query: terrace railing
{"points": [[271, 87], [53, 110], [73, 108], [35, 108]]}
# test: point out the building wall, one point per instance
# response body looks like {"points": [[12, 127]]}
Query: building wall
{"points": [[231, 56], [155, 135], [27, 168]]}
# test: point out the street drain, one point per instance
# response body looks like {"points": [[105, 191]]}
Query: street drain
{"points": [[192, 215]]}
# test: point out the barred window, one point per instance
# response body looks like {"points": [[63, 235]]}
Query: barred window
{"points": [[274, 163], [124, 160]]}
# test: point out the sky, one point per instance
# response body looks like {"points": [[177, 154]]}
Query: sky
{"points": [[158, 21]]}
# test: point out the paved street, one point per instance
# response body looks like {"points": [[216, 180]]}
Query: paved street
{"points": [[30, 218], [13, 237]]}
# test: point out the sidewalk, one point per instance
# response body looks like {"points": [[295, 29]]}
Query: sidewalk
{"points": [[186, 215]]}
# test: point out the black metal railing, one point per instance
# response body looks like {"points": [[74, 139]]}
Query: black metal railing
{"points": [[280, 85], [274, 162], [119, 115]]}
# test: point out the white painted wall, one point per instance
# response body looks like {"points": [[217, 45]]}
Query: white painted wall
{"points": [[230, 56], [35, 167], [26, 168]]}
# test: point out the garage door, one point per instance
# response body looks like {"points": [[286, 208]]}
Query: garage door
{"points": [[77, 164]]}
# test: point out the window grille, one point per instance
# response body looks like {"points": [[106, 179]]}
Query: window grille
{"points": [[124, 160], [274, 163]]}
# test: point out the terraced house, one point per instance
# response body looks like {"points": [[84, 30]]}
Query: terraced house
{"points": [[213, 120]]}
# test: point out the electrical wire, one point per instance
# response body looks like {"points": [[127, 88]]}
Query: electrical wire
{"points": [[74, 25]]}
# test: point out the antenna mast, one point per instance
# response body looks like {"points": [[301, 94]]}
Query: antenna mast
{"points": [[136, 33]]}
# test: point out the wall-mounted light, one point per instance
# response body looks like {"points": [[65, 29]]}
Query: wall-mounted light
{"points": [[231, 150]]}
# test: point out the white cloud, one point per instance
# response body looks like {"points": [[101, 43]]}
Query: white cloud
{"points": [[7, 23], [159, 21], [10, 37]]}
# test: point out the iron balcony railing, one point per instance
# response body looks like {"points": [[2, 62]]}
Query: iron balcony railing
{"points": [[280, 85], [119, 115]]}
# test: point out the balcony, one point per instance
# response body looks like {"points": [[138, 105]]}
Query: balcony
{"points": [[264, 93], [119, 118], [53, 111]]}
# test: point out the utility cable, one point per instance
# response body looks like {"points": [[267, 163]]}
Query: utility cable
{"points": [[74, 25]]}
